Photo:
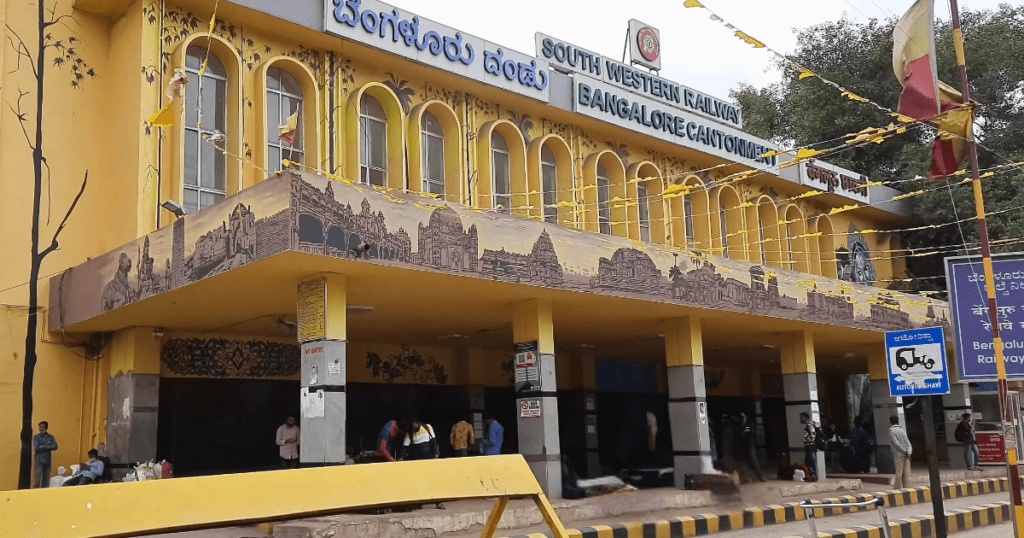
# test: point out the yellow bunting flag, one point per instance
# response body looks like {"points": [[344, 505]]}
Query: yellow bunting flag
{"points": [[692, 3], [163, 117], [854, 97], [749, 40], [805, 73], [808, 153]]}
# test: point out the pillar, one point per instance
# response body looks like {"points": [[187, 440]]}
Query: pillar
{"points": [[687, 398], [536, 392], [800, 388], [579, 429], [133, 398], [474, 364], [954, 405], [884, 406], [322, 338]]}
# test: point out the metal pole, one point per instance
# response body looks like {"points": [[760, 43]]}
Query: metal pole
{"points": [[933, 467], [810, 520], [1010, 441], [886, 533]]}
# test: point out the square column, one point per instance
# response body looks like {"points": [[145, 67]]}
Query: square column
{"points": [[800, 388], [323, 341], [536, 392], [954, 405], [579, 429], [133, 399], [687, 398], [884, 406]]}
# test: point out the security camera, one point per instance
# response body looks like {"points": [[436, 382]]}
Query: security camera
{"points": [[361, 250]]}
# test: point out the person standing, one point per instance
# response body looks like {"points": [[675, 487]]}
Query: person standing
{"points": [[420, 443], [91, 471], [810, 447], [386, 439], [901, 451], [494, 435], [748, 439], [288, 440], [43, 443], [861, 446], [965, 434], [461, 437]]}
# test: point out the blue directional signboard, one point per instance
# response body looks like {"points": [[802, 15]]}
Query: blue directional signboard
{"points": [[917, 362], [968, 302]]}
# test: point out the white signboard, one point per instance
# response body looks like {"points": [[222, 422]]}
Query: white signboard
{"points": [[644, 45], [831, 178], [529, 408], [405, 34], [569, 58], [604, 102]]}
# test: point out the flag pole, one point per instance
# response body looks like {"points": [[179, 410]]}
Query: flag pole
{"points": [[1009, 437]]}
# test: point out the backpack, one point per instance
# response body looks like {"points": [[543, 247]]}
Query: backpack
{"points": [[961, 433], [820, 442]]}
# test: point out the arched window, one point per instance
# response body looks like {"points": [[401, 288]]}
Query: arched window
{"points": [[723, 221], [205, 163], [549, 184], [688, 220], [373, 128], [502, 173], [284, 118], [644, 212], [604, 209], [433, 154], [761, 240]]}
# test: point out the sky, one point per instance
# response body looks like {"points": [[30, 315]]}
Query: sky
{"points": [[696, 51]]}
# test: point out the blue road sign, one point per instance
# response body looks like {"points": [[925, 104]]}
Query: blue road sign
{"points": [[917, 362], [968, 302]]}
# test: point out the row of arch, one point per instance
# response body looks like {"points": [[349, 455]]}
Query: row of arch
{"points": [[534, 180]]}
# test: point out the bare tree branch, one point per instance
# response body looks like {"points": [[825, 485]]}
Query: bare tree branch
{"points": [[22, 50], [49, 197], [53, 242], [22, 119], [57, 20]]}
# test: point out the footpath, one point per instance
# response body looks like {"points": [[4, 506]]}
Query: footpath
{"points": [[654, 512]]}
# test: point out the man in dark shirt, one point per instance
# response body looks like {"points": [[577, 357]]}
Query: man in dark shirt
{"points": [[43, 443]]}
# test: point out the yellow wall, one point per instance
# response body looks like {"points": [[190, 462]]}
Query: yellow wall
{"points": [[100, 127]]}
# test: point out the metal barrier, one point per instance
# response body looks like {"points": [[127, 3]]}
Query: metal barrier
{"points": [[160, 506], [879, 502]]}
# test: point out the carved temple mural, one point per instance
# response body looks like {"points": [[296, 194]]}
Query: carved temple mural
{"points": [[317, 215], [219, 357]]}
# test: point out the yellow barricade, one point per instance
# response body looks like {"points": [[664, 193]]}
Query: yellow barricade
{"points": [[133, 508]]}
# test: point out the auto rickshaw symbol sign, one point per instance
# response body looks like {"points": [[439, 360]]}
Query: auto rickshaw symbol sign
{"points": [[917, 362]]}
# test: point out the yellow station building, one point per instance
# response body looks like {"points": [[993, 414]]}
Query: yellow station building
{"points": [[385, 215]]}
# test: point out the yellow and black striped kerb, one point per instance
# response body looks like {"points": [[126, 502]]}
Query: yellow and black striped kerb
{"points": [[922, 527], [705, 524]]}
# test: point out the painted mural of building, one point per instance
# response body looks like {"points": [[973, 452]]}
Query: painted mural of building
{"points": [[447, 205]]}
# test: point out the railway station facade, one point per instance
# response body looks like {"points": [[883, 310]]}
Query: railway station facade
{"points": [[385, 215]]}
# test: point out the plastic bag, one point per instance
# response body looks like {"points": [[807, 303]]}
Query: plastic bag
{"points": [[798, 475], [145, 472], [167, 470]]}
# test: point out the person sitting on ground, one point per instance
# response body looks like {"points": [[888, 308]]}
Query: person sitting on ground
{"points": [[91, 470], [386, 439], [420, 443]]}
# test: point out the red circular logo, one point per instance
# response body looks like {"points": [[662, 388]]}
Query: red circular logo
{"points": [[648, 43]]}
